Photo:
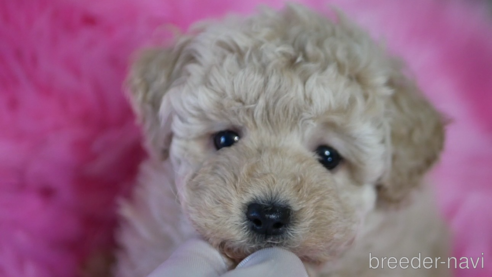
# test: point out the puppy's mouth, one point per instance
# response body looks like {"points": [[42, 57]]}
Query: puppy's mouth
{"points": [[265, 224], [237, 253]]}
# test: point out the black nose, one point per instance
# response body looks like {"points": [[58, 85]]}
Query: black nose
{"points": [[268, 220]]}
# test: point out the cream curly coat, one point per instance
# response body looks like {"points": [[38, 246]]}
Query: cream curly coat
{"points": [[287, 82]]}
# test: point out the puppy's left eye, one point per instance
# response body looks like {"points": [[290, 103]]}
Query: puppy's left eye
{"points": [[225, 139], [328, 156]]}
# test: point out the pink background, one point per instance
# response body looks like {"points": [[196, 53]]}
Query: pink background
{"points": [[68, 145]]}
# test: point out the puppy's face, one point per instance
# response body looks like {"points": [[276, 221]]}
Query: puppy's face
{"points": [[282, 135], [273, 162]]}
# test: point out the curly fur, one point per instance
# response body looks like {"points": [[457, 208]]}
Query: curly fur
{"points": [[287, 82]]}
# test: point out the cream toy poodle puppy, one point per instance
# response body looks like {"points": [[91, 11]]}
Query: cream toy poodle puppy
{"points": [[285, 129]]}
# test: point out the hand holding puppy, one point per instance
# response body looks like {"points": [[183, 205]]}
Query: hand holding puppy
{"points": [[198, 258]]}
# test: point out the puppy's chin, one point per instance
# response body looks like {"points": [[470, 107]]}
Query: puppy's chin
{"points": [[236, 253]]}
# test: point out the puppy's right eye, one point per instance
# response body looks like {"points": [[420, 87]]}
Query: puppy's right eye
{"points": [[328, 156], [225, 139]]}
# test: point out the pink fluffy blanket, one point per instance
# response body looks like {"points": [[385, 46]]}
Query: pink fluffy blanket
{"points": [[69, 147]]}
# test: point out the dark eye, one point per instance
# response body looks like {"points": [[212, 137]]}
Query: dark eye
{"points": [[328, 156], [225, 139]]}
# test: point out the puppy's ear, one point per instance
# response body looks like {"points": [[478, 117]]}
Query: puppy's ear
{"points": [[417, 138], [151, 76]]}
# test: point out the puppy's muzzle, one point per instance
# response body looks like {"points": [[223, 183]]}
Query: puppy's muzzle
{"points": [[268, 220]]}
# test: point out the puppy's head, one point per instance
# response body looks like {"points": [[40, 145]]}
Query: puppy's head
{"points": [[284, 129]]}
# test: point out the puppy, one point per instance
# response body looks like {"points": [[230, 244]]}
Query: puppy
{"points": [[285, 129]]}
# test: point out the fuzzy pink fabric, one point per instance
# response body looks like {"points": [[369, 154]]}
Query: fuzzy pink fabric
{"points": [[69, 147]]}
